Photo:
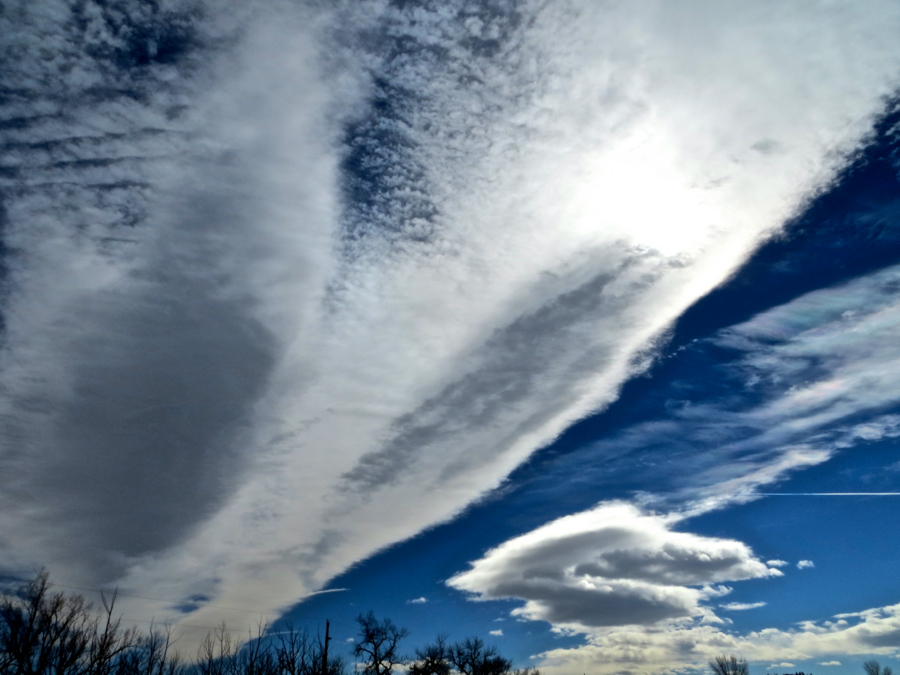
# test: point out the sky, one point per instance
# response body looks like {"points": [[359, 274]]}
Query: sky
{"points": [[565, 324]]}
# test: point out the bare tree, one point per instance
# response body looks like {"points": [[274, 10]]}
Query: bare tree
{"points": [[293, 651], [256, 656], [433, 659], [108, 642], [471, 657], [48, 633], [297, 654], [729, 665], [51, 633], [874, 668], [152, 655], [378, 645], [217, 654]]}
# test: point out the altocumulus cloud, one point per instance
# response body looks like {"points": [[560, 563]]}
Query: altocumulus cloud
{"points": [[612, 565], [277, 266]]}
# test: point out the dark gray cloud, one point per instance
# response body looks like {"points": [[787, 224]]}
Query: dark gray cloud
{"points": [[609, 605], [500, 395], [671, 564], [889, 638], [130, 369], [507, 371]]}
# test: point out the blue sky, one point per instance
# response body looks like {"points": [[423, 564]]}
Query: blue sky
{"points": [[497, 318]]}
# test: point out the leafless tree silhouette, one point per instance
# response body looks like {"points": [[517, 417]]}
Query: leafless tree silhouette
{"points": [[729, 665], [378, 645], [874, 668]]}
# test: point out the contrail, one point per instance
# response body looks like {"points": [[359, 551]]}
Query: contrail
{"points": [[829, 494]]}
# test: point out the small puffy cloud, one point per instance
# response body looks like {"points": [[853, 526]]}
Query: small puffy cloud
{"points": [[777, 563], [830, 663], [498, 633], [739, 606], [803, 564], [417, 601], [350, 639], [783, 664], [613, 565]]}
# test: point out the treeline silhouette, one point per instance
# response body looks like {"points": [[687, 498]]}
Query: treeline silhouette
{"points": [[47, 632], [729, 664]]}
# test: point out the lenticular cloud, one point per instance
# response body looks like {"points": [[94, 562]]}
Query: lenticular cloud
{"points": [[610, 566], [272, 270]]}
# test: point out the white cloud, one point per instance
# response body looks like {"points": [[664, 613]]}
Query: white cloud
{"points": [[640, 592], [498, 633], [612, 565], [679, 645], [830, 663], [417, 601], [777, 563], [783, 664], [816, 364], [275, 363], [804, 564], [740, 606]]}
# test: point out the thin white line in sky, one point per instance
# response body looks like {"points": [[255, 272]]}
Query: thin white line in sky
{"points": [[829, 494]]}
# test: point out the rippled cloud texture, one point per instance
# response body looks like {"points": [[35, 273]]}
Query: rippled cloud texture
{"points": [[286, 284]]}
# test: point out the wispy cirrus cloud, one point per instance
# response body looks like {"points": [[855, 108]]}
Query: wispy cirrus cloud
{"points": [[280, 268], [802, 382]]}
